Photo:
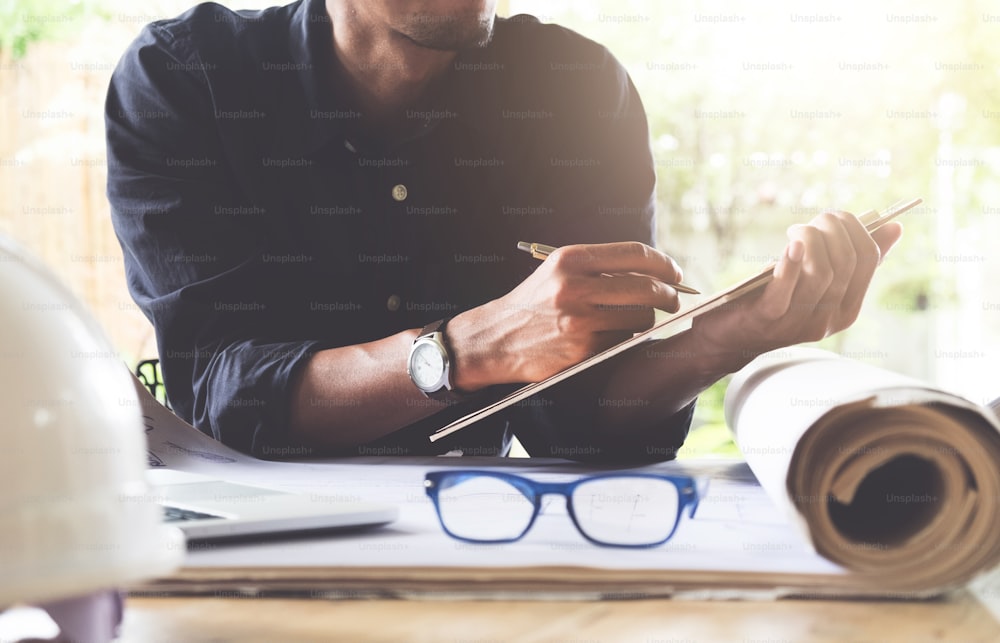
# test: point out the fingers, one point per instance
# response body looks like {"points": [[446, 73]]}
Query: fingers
{"points": [[612, 258], [606, 303], [777, 297], [822, 292], [867, 255], [886, 237], [612, 287], [801, 278], [632, 290], [837, 269]]}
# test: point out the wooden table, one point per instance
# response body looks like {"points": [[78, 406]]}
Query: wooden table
{"points": [[961, 618]]}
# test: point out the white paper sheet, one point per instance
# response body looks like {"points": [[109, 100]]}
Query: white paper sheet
{"points": [[736, 528]]}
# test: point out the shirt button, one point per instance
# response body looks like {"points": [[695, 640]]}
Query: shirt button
{"points": [[399, 192], [393, 303]]}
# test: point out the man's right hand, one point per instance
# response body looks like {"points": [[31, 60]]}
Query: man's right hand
{"points": [[581, 300]]}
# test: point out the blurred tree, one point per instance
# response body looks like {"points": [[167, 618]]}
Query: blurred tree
{"points": [[23, 22], [762, 115]]}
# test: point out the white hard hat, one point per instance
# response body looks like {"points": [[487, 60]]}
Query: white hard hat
{"points": [[76, 514]]}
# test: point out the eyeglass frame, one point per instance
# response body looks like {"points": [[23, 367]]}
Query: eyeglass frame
{"points": [[688, 497]]}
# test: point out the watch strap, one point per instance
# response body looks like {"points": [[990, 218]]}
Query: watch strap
{"points": [[434, 327]]}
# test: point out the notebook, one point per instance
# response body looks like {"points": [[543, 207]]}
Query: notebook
{"points": [[206, 508]]}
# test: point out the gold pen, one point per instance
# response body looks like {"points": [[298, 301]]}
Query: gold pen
{"points": [[542, 251]]}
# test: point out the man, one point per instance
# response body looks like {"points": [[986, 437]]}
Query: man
{"points": [[304, 192]]}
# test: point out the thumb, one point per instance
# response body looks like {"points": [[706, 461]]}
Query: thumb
{"points": [[886, 237]]}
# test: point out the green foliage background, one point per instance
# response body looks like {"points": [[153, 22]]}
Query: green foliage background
{"points": [[23, 22]]}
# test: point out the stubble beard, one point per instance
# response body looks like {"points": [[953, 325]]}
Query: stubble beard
{"points": [[450, 33]]}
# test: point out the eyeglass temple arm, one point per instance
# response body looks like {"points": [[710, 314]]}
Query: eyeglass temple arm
{"points": [[699, 489]]}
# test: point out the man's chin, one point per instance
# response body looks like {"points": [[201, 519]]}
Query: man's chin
{"points": [[450, 34]]}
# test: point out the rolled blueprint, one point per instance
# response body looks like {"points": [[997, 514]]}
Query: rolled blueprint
{"points": [[887, 476]]}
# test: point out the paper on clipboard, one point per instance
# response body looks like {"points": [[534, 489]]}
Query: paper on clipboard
{"points": [[666, 328]]}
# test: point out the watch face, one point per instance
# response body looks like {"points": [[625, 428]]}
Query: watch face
{"points": [[427, 366]]}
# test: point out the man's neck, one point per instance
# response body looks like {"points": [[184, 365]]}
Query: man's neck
{"points": [[386, 71]]}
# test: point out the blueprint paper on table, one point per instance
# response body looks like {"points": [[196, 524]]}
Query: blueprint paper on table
{"points": [[740, 544]]}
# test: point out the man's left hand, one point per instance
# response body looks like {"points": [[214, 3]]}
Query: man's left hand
{"points": [[818, 288]]}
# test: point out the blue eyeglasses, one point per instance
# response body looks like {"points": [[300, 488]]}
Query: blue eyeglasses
{"points": [[614, 510]]}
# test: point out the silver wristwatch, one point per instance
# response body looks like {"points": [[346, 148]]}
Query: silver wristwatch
{"points": [[430, 363]]}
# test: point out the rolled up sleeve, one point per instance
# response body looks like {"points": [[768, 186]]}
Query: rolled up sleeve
{"points": [[202, 278]]}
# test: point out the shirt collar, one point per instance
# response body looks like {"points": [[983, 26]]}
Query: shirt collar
{"points": [[311, 115], [470, 90]]}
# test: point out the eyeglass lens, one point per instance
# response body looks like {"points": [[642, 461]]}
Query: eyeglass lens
{"points": [[626, 511], [484, 508]]}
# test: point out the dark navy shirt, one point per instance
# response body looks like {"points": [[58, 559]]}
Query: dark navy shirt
{"points": [[259, 223]]}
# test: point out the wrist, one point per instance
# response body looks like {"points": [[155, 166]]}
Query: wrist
{"points": [[477, 356], [715, 358]]}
